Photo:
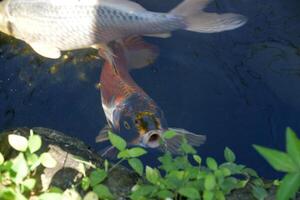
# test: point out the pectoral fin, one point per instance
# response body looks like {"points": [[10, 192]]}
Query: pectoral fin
{"points": [[105, 52], [103, 134], [46, 50], [109, 152], [159, 35], [138, 52], [173, 145]]}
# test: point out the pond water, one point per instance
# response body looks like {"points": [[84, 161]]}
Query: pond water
{"points": [[240, 87]]}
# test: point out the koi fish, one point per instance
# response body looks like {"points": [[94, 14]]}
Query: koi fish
{"points": [[52, 26], [129, 111]]}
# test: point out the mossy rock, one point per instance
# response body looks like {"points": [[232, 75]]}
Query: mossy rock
{"points": [[66, 150]]}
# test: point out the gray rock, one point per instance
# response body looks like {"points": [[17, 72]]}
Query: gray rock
{"points": [[66, 151]]}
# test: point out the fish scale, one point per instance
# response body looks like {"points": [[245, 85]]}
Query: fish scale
{"points": [[57, 24], [52, 26]]}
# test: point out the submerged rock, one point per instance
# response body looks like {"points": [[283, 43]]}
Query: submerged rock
{"points": [[66, 151]]}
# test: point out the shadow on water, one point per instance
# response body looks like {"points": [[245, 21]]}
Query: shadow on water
{"points": [[239, 87]]}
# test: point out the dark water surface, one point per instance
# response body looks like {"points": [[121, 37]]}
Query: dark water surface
{"points": [[240, 87]]}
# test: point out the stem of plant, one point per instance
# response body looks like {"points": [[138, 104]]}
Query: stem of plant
{"points": [[115, 165]]}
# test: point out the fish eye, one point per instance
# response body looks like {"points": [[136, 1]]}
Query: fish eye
{"points": [[126, 125]]}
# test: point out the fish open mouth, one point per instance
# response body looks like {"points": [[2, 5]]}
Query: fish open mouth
{"points": [[152, 138]]}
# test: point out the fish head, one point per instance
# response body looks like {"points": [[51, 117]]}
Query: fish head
{"points": [[5, 25], [150, 125], [143, 124]]}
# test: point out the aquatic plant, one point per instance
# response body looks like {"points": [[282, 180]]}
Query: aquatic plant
{"points": [[184, 176], [17, 179], [288, 162]]}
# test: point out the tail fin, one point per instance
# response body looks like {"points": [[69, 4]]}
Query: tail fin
{"points": [[199, 21]]}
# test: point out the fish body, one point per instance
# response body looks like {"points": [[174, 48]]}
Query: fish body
{"points": [[52, 26], [130, 112]]}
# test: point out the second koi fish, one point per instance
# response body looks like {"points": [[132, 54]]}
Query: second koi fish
{"points": [[130, 112]]}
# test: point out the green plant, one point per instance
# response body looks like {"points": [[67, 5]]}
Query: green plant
{"points": [[17, 175], [288, 162], [95, 180], [185, 175], [18, 179]]}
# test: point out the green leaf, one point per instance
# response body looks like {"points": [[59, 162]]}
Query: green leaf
{"points": [[131, 153], [169, 134], [210, 182], [34, 143], [293, 146], [152, 175], [181, 162], [124, 154], [6, 166], [250, 172], [234, 168], [20, 196], [220, 195], [47, 160], [165, 194], [219, 176], [18, 142], [7, 193], [211, 163], [29, 183], [102, 191], [225, 171], [140, 192], [136, 152], [176, 176], [20, 167], [1, 159], [197, 159], [167, 162], [259, 192], [54, 189], [289, 186], [229, 184], [188, 149], [258, 182], [242, 183], [189, 192], [277, 159], [71, 194], [91, 196], [276, 182], [85, 183], [33, 161], [208, 195], [229, 155], [117, 141], [137, 165], [50, 196], [97, 176]]}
